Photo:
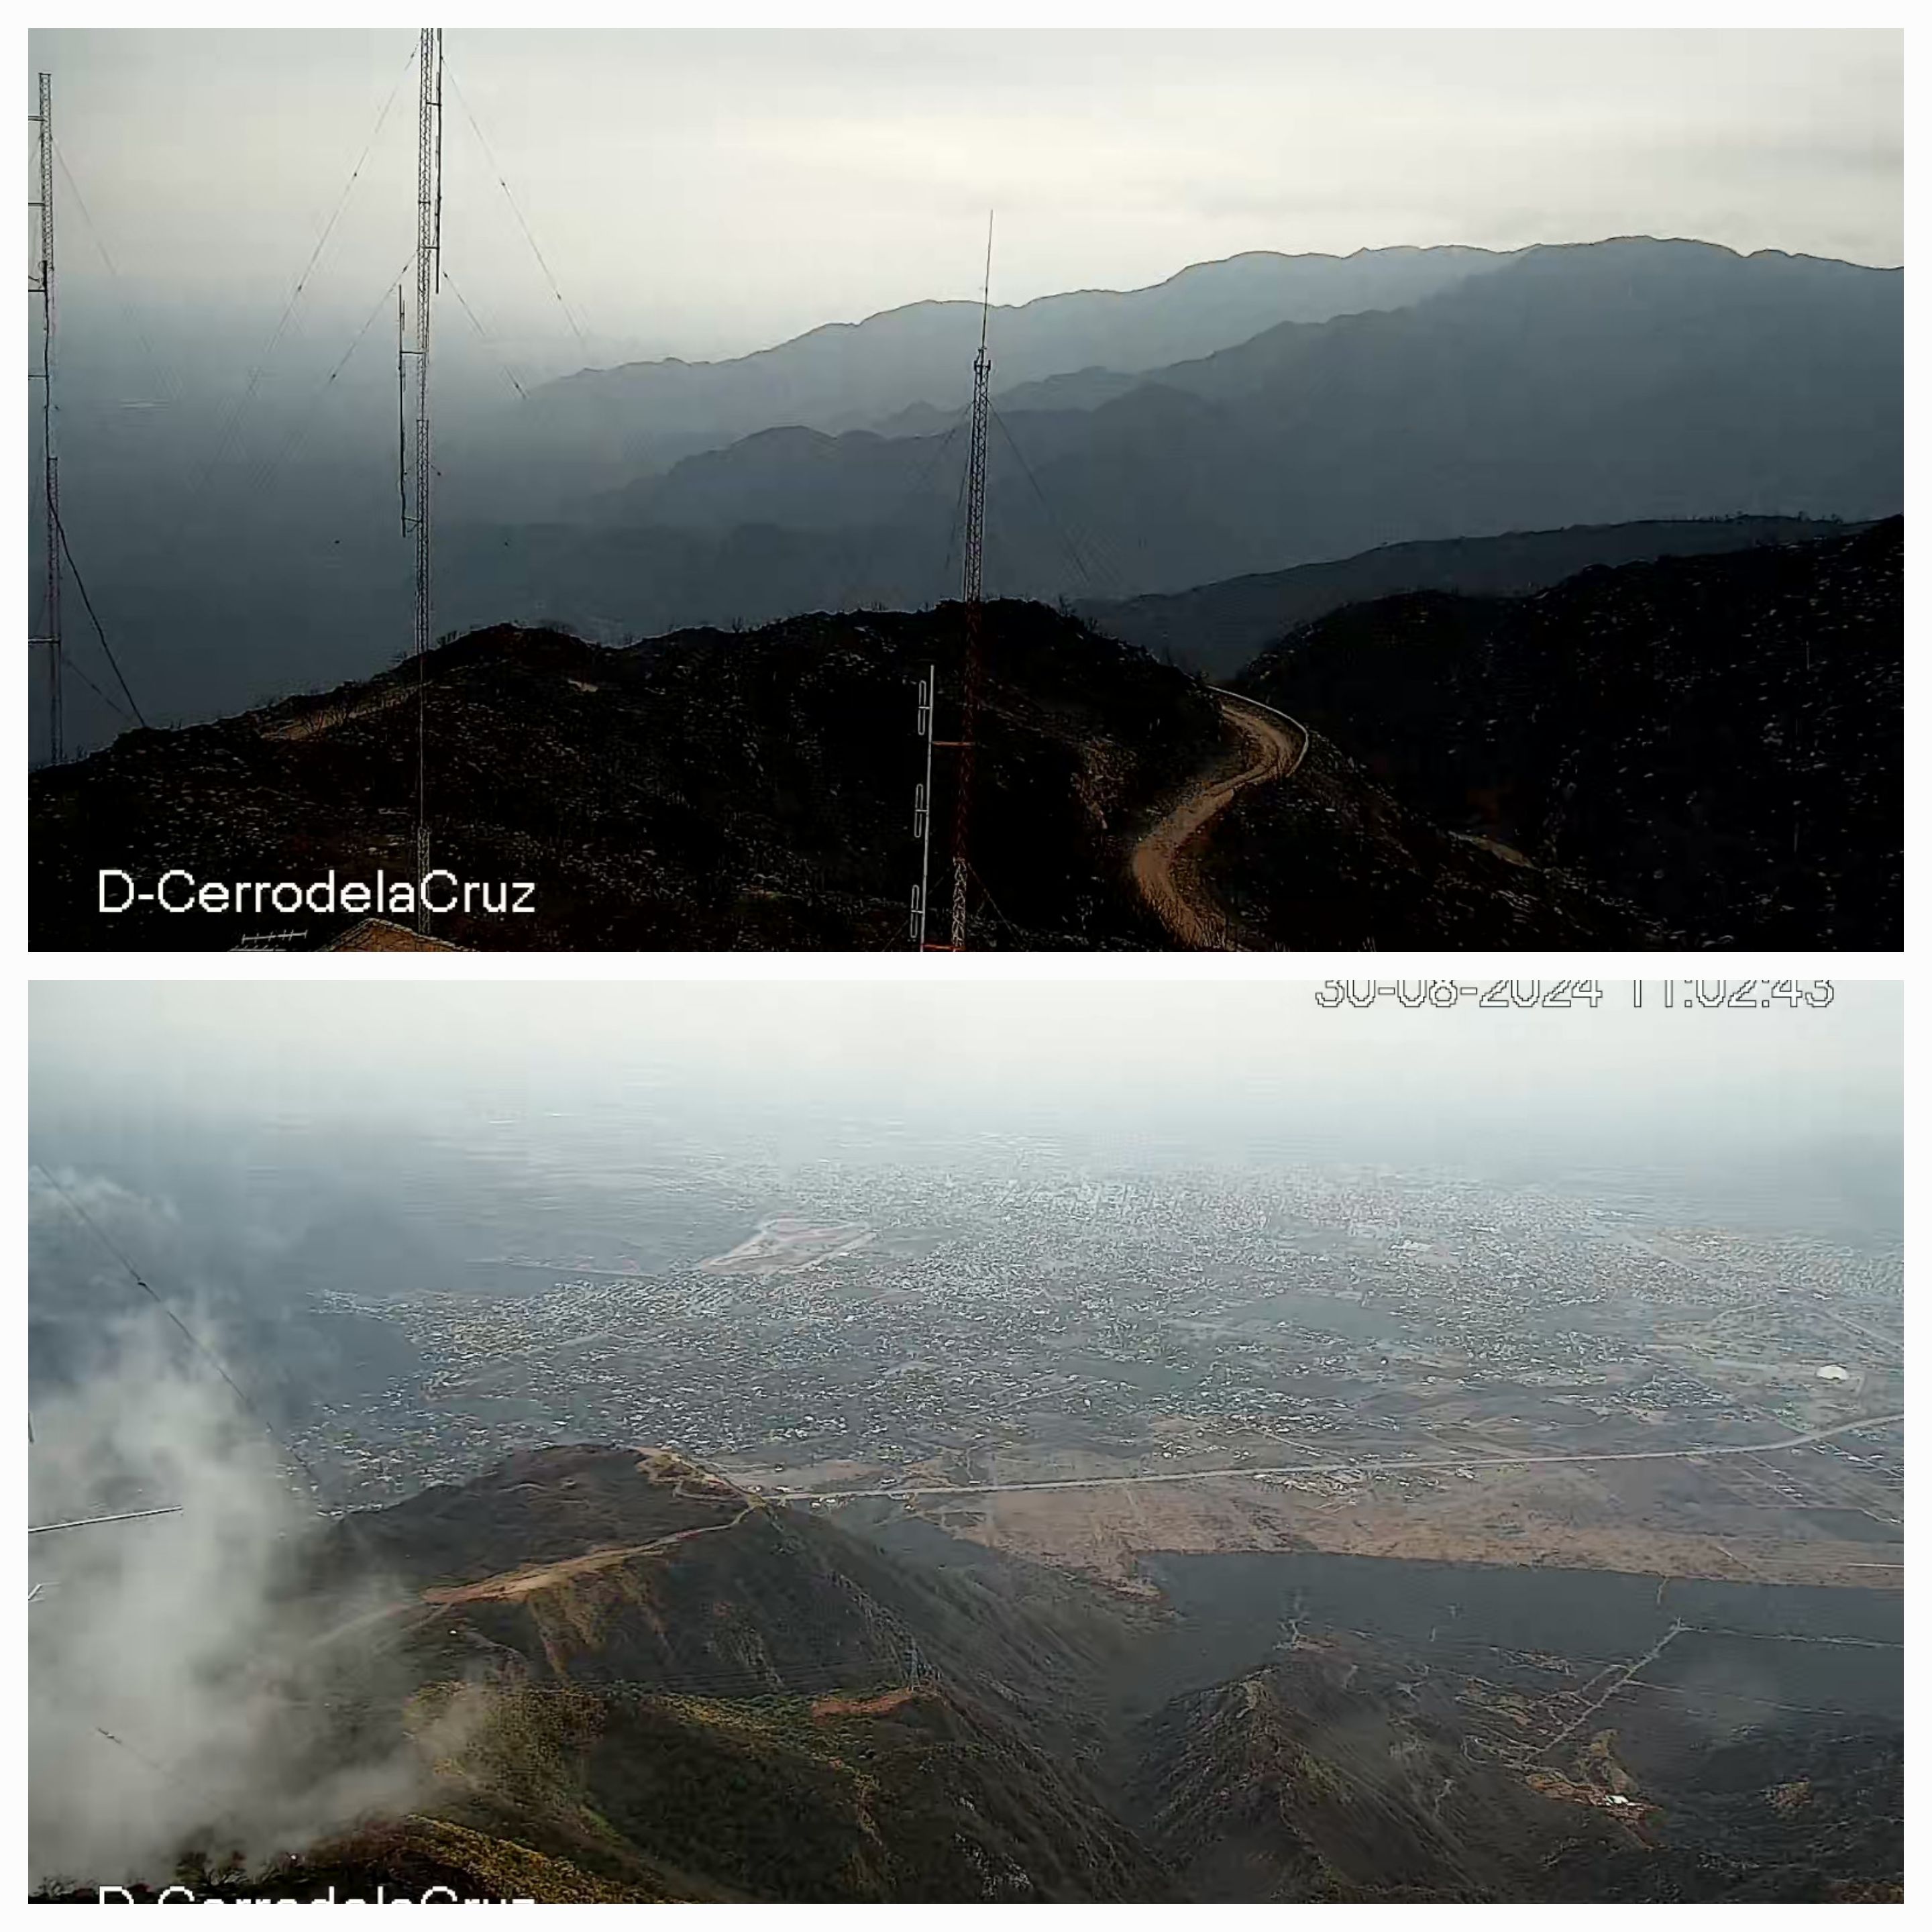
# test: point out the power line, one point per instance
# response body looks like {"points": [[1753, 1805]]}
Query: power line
{"points": [[1064, 536], [170, 387], [954, 528], [869, 555], [140, 1756], [194, 1341], [1068, 547], [994, 904], [80, 584], [119, 710], [88, 1522], [483, 335], [225, 434], [266, 474], [489, 157]]}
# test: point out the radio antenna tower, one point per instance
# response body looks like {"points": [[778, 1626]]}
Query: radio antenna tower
{"points": [[42, 286], [975, 531], [402, 431], [429, 279]]}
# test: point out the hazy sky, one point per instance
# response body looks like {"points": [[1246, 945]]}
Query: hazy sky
{"points": [[704, 193], [1151, 1055]]}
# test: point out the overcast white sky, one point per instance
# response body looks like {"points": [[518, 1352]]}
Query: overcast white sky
{"points": [[1155, 1052], [706, 194]]}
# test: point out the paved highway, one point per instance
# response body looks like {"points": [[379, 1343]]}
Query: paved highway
{"points": [[1336, 1468]]}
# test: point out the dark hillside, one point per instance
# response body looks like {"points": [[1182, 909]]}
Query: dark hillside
{"points": [[623, 1678], [1309, 1780], [1694, 750], [1334, 860], [1716, 740], [1218, 627], [1329, 1775], [688, 1692], [707, 790]]}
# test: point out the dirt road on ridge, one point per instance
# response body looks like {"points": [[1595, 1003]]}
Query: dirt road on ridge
{"points": [[1276, 744]]}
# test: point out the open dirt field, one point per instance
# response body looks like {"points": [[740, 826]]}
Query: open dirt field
{"points": [[1570, 1518]]}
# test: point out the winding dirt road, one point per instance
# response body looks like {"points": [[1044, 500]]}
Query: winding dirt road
{"points": [[1276, 744], [512, 1585]]}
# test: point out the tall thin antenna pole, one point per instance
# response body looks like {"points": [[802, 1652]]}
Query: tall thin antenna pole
{"points": [[43, 286], [922, 806], [402, 433], [439, 161], [975, 531], [429, 224]]}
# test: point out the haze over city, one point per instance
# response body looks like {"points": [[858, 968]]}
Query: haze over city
{"points": [[1110, 1062], [1518, 1385]]}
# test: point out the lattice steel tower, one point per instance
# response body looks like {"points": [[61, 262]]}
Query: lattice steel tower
{"points": [[429, 278], [970, 588], [42, 285]]}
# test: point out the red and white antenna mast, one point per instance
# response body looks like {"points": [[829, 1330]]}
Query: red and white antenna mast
{"points": [[975, 532]]}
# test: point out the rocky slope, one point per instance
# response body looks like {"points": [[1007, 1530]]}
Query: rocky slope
{"points": [[1700, 751], [1326, 1776], [1334, 860], [707, 790], [715, 789], [1716, 741], [674, 1689]]}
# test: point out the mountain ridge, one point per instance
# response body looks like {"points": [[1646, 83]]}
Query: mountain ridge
{"points": [[775, 1706], [1218, 629], [1716, 737], [713, 789], [1615, 383], [1698, 750], [588, 432]]}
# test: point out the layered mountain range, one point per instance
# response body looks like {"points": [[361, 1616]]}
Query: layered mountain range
{"points": [[1593, 384], [1245, 418], [909, 368]]}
